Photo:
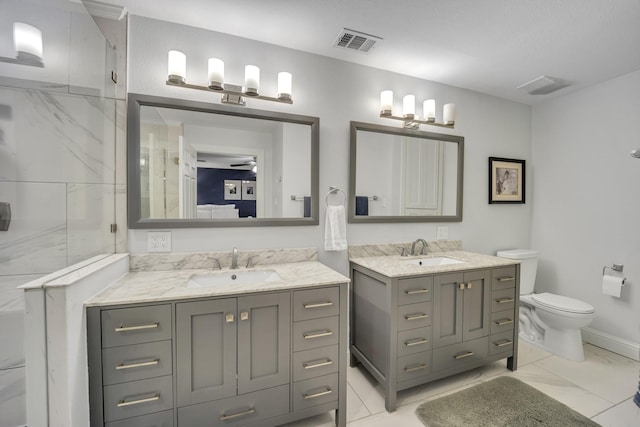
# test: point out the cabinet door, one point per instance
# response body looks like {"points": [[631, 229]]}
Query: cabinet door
{"points": [[264, 332], [447, 309], [205, 350], [477, 307]]}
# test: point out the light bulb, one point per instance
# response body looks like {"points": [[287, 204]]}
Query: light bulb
{"points": [[429, 110], [251, 80], [28, 43], [177, 67], [449, 114], [284, 85], [408, 106], [386, 103], [216, 74]]}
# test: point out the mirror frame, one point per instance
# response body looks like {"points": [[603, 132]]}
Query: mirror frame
{"points": [[369, 127], [136, 101]]}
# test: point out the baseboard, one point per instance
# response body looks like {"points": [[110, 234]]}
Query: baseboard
{"points": [[612, 343]]}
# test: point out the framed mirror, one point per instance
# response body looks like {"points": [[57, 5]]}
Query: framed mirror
{"points": [[193, 164], [403, 175]]}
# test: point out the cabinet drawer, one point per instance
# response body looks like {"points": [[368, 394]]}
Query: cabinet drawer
{"points": [[501, 343], [414, 366], [315, 333], [413, 316], [238, 410], [460, 354], [502, 321], [315, 391], [136, 362], [414, 341], [503, 300], [315, 362], [159, 419], [316, 303], [137, 398], [416, 289], [504, 278], [135, 325]]}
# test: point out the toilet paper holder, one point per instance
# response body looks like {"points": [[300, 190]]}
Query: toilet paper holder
{"points": [[615, 267]]}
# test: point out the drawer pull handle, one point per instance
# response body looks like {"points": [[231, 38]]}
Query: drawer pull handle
{"points": [[312, 365], [416, 316], [317, 335], [125, 402], [137, 327], [503, 343], [504, 322], [504, 300], [416, 342], [415, 368], [137, 365], [506, 279], [318, 304], [225, 417], [463, 355], [322, 393], [416, 291]]}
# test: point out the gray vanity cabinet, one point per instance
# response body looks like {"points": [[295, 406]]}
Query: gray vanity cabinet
{"points": [[468, 294], [408, 331]]}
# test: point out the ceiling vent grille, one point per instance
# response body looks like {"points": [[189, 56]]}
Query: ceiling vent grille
{"points": [[356, 40], [544, 85]]}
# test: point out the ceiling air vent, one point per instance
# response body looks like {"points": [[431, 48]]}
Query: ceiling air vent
{"points": [[355, 40], [544, 85]]}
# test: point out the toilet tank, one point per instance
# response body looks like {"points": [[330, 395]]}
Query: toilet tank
{"points": [[528, 266]]}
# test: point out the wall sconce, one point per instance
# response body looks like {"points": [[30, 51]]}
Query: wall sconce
{"points": [[409, 118], [232, 94], [27, 40]]}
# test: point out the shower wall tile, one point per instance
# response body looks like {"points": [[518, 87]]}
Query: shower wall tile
{"points": [[90, 211], [121, 141], [37, 237], [121, 219], [12, 298], [13, 397], [49, 137]]}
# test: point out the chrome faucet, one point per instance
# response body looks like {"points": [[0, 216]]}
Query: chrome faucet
{"points": [[424, 247], [234, 259]]}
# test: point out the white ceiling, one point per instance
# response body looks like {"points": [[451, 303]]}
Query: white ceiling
{"points": [[490, 46]]}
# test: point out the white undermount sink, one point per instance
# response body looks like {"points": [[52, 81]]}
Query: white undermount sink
{"points": [[433, 261], [239, 277]]}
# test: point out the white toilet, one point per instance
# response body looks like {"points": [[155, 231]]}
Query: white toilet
{"points": [[550, 321]]}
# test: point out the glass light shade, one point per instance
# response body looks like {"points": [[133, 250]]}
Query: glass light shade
{"points": [[284, 85], [408, 106], [429, 110], [251, 80], [27, 39], [216, 74], [449, 114], [177, 67], [386, 102]]}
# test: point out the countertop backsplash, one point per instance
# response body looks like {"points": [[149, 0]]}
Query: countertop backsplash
{"points": [[384, 249]]}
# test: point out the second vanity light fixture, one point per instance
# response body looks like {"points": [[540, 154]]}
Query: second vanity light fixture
{"points": [[27, 41], [232, 94], [409, 118]]}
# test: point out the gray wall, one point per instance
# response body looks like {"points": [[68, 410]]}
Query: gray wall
{"points": [[337, 92], [586, 198]]}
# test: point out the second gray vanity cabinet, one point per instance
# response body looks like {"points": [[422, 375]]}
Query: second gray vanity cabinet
{"points": [[231, 346]]}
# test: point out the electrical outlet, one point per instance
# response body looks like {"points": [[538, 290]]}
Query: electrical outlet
{"points": [[442, 233], [159, 241]]}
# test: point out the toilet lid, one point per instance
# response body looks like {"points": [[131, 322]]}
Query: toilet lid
{"points": [[561, 303]]}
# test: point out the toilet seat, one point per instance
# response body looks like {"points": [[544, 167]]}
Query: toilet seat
{"points": [[562, 303]]}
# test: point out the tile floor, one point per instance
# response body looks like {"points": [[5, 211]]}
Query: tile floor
{"points": [[601, 388]]}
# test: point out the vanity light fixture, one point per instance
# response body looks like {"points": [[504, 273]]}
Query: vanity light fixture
{"points": [[232, 94], [27, 40], [409, 117]]}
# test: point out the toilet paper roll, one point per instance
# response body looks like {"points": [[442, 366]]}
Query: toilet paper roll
{"points": [[612, 285]]}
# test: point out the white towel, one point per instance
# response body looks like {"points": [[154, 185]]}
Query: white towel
{"points": [[335, 229]]}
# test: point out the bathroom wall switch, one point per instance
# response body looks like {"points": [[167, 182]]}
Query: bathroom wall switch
{"points": [[159, 241], [442, 233]]}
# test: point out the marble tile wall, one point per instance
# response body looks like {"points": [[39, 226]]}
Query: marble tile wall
{"points": [[58, 172]]}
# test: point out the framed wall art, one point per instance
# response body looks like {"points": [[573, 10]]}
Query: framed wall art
{"points": [[506, 180], [248, 190], [232, 189]]}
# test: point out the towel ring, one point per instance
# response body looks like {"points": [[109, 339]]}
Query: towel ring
{"points": [[335, 190]]}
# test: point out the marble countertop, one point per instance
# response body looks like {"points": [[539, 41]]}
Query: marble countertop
{"points": [[153, 286], [396, 265]]}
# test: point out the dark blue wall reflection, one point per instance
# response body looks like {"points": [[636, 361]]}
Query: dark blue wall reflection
{"points": [[211, 189]]}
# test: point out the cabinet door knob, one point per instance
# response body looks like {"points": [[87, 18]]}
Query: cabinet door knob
{"points": [[460, 285], [469, 285], [244, 315], [229, 318]]}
